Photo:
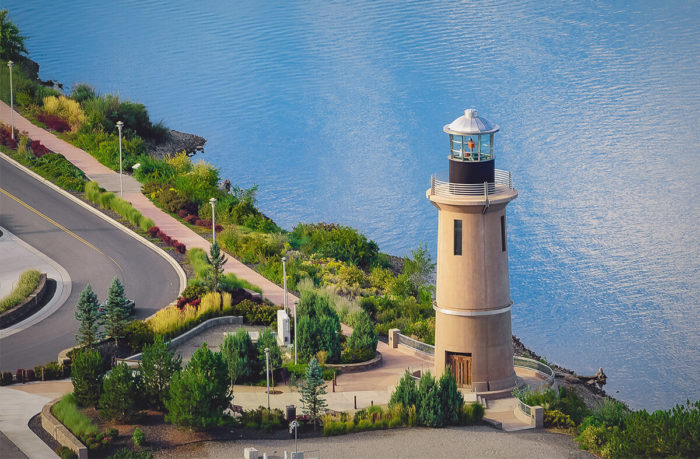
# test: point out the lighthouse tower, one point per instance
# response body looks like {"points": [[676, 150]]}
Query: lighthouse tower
{"points": [[472, 300]]}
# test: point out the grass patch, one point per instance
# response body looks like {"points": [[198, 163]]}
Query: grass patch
{"points": [[108, 200], [68, 413], [28, 282]]}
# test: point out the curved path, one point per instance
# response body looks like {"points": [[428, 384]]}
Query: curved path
{"points": [[89, 247]]}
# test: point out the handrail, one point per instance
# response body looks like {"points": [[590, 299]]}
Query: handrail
{"points": [[524, 362], [417, 345], [524, 407], [503, 182]]}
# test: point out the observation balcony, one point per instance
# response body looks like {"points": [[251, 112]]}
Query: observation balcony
{"points": [[500, 189]]}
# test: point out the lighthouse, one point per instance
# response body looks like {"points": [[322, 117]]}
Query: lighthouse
{"points": [[472, 299]]}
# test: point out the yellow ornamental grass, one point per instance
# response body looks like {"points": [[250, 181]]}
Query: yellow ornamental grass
{"points": [[171, 321], [66, 108]]}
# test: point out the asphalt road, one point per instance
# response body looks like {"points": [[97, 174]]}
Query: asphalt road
{"points": [[95, 253]]}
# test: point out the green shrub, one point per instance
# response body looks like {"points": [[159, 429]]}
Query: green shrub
{"points": [[318, 327], [555, 418], [128, 454], [27, 283], [105, 199], [405, 393], [199, 394], [264, 419], [66, 411], [472, 413], [6, 378], [86, 375], [156, 368], [451, 400], [138, 437], [429, 405], [362, 343], [138, 334], [334, 241], [254, 313], [119, 394], [65, 452], [154, 170]]}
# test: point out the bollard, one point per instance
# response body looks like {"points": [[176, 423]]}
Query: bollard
{"points": [[355, 401]]}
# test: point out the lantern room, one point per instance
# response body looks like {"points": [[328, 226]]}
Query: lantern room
{"points": [[471, 148]]}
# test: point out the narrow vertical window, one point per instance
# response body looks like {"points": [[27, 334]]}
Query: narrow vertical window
{"points": [[458, 237], [503, 233]]}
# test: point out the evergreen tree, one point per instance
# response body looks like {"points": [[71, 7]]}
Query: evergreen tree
{"points": [[86, 376], [318, 327], [312, 391], [87, 314], [429, 409], [216, 260], [267, 340], [406, 392], [200, 393], [362, 344], [119, 394], [451, 399], [116, 314], [240, 355], [156, 368], [11, 42]]}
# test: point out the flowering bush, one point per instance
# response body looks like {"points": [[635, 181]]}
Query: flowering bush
{"points": [[38, 149], [53, 122]]}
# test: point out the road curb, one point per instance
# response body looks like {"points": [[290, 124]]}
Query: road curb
{"points": [[180, 272]]}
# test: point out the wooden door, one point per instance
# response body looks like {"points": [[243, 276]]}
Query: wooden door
{"points": [[461, 368]]}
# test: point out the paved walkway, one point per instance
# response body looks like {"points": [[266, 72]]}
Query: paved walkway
{"points": [[109, 180]]}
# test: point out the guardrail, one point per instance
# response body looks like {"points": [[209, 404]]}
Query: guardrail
{"points": [[417, 345], [524, 362], [503, 182], [525, 408]]}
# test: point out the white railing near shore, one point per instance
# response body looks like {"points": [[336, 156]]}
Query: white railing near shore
{"points": [[503, 182], [531, 364]]}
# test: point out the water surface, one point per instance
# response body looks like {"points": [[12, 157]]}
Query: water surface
{"points": [[336, 110]]}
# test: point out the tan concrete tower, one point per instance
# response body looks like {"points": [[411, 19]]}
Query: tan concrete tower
{"points": [[472, 301]]}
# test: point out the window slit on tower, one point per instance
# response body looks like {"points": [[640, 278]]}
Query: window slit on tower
{"points": [[458, 237], [503, 233]]}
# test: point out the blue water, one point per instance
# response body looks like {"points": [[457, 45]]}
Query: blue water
{"points": [[336, 110]]}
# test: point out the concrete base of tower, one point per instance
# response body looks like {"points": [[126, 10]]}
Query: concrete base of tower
{"points": [[477, 349]]}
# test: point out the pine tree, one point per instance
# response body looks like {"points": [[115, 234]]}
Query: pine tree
{"points": [[119, 394], [200, 393], [312, 391], [87, 314], [429, 408], [216, 260], [267, 340], [451, 399], [156, 368], [116, 313], [405, 393], [11, 41], [240, 355], [86, 376], [362, 344]]}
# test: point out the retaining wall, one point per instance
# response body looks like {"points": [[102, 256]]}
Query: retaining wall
{"points": [[27, 307], [60, 432]]}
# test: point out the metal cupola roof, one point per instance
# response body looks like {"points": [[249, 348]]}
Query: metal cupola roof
{"points": [[470, 124]]}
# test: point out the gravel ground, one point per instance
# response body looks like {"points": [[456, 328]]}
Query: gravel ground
{"points": [[453, 442]]}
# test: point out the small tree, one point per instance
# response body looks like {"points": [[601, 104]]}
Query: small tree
{"points": [[406, 392], [216, 260], [86, 312], [116, 314], [119, 394], [451, 399], [240, 355], [200, 393], [11, 42], [429, 409], [267, 340], [86, 376], [156, 368], [362, 344], [312, 391]]}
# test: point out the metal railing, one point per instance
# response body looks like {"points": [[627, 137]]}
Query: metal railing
{"points": [[417, 345], [524, 362], [525, 408], [503, 182]]}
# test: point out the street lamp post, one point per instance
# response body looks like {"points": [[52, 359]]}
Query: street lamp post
{"points": [[284, 280], [12, 101], [120, 125], [267, 366], [213, 220], [295, 332]]}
